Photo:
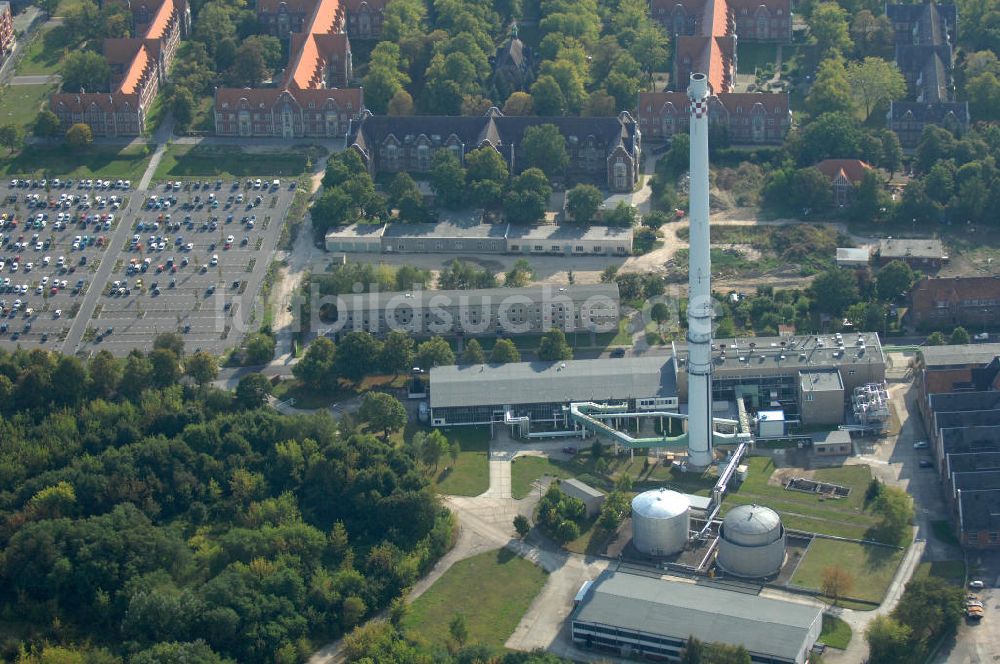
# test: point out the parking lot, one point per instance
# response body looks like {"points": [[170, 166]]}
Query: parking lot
{"points": [[53, 235], [185, 257]]}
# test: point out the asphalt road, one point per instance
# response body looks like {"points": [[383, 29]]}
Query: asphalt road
{"points": [[98, 279]]}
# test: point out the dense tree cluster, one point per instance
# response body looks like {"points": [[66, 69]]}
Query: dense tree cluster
{"points": [[165, 522], [929, 610], [561, 516]]}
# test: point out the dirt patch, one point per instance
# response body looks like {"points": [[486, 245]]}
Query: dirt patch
{"points": [[780, 477]]}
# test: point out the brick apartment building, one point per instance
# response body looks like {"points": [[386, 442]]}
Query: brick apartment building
{"points": [[705, 36], [924, 38], [605, 150], [138, 66], [973, 302], [748, 117], [362, 19], [770, 20], [312, 99], [959, 402]]}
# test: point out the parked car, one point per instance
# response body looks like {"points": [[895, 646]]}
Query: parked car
{"points": [[977, 584], [920, 445]]}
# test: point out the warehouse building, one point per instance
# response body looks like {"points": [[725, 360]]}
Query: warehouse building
{"points": [[356, 238], [445, 238], [568, 240], [475, 237], [488, 394], [638, 616], [485, 311]]}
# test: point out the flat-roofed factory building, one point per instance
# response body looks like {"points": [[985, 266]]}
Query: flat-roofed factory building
{"points": [[487, 394], [641, 617]]}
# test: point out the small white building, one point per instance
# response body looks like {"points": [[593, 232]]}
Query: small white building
{"points": [[588, 495], [771, 424]]}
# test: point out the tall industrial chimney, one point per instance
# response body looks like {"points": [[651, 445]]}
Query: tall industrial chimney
{"points": [[699, 312]]}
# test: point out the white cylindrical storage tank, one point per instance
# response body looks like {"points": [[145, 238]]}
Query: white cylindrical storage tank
{"points": [[751, 542], [661, 520]]}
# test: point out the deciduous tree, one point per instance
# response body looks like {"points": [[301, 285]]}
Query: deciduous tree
{"points": [[504, 351], [544, 147], [382, 412], [473, 353], [875, 81]]}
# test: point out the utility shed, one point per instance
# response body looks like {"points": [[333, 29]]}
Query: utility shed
{"points": [[591, 497], [629, 615]]}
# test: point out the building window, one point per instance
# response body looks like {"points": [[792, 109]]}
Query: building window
{"points": [[810, 397]]}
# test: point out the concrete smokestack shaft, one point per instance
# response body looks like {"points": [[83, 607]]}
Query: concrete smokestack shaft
{"points": [[699, 310]]}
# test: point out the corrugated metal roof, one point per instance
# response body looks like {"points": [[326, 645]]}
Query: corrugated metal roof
{"points": [[552, 382], [678, 609]]}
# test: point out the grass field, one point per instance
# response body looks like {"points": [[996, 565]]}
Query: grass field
{"points": [[584, 467], [952, 571], [227, 162], [19, 104], [802, 511], [755, 54], [871, 567], [836, 633], [91, 162], [492, 590], [470, 474], [45, 53], [526, 469]]}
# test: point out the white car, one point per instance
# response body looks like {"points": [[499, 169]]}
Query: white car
{"points": [[975, 585], [214, 261], [57, 313], [46, 260], [45, 281], [28, 266], [920, 445]]}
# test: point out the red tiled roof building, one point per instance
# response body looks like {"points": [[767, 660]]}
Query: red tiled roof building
{"points": [[844, 176], [137, 67], [311, 100]]}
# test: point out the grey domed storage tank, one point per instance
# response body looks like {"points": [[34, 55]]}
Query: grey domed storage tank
{"points": [[661, 520], [751, 542]]}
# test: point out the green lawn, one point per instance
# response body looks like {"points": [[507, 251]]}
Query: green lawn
{"points": [[752, 55], [871, 567], [836, 633], [526, 469], [845, 517], [91, 162], [45, 53], [492, 590], [602, 474], [19, 104], [952, 571], [470, 474], [227, 162]]}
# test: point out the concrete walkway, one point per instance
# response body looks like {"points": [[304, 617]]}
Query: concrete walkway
{"points": [[39, 79], [118, 238]]}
